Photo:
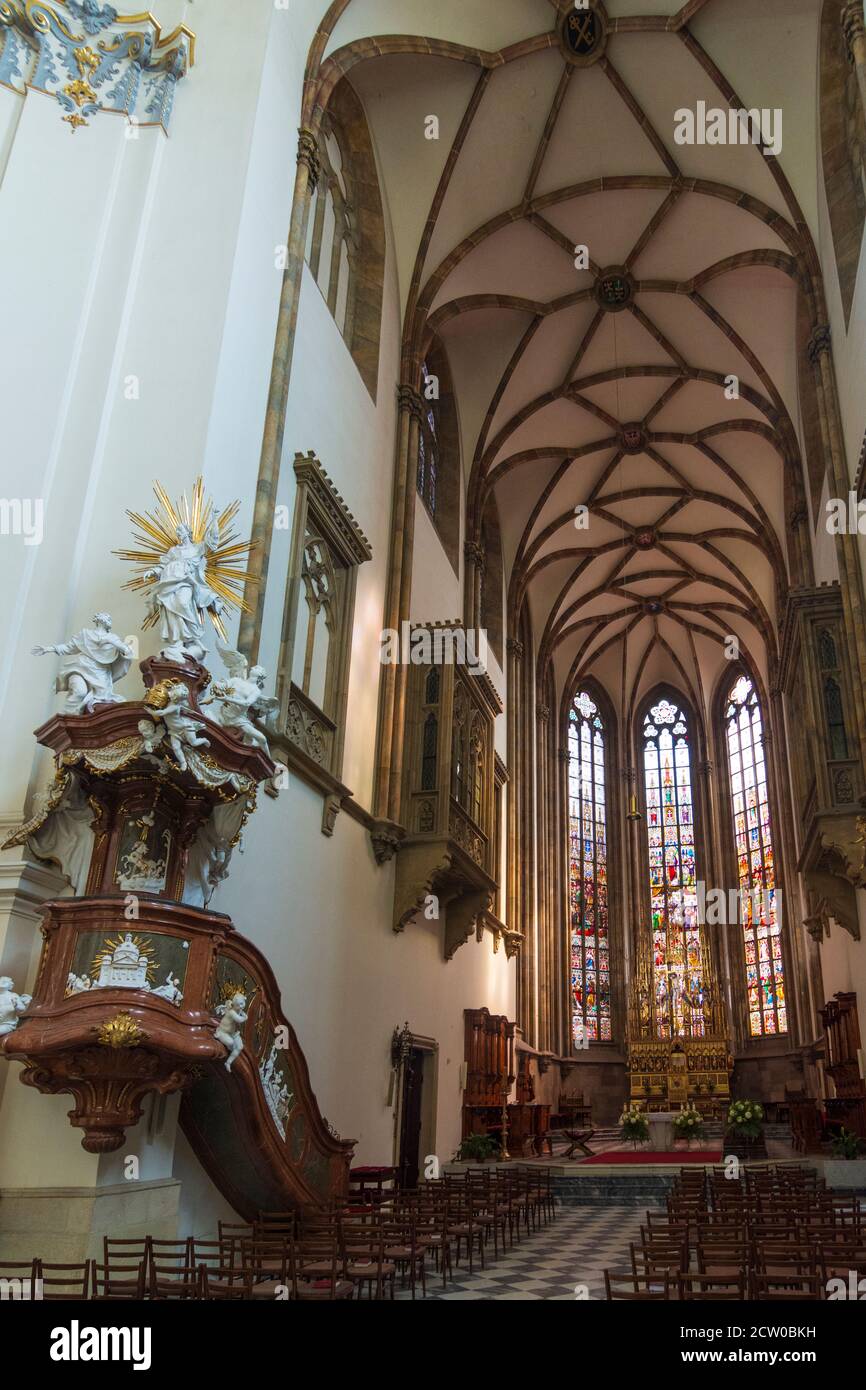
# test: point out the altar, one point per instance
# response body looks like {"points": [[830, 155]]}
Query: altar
{"points": [[661, 1131]]}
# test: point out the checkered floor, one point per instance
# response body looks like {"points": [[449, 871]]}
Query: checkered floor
{"points": [[574, 1249]]}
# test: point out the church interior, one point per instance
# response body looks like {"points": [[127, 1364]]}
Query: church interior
{"points": [[434, 686]]}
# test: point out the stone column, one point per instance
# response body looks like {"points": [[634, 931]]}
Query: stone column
{"points": [[392, 699], [850, 574], [514, 849], [475, 562], [795, 956], [855, 39], [542, 820], [306, 176], [562, 906]]}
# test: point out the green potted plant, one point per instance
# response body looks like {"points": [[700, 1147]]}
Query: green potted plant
{"points": [[634, 1127], [477, 1148], [689, 1124], [846, 1168], [745, 1133]]}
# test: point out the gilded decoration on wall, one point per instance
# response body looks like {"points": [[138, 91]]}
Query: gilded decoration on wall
{"points": [[93, 59], [119, 1032]]}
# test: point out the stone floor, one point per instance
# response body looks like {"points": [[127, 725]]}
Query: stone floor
{"points": [[561, 1261]]}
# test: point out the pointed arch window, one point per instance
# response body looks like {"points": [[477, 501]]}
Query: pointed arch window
{"points": [[677, 953], [587, 879], [756, 870]]}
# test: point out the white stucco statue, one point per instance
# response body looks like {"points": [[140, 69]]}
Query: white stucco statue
{"points": [[181, 725], [210, 854], [240, 700], [77, 984], [232, 1015], [170, 990], [93, 660], [12, 1005], [182, 594], [63, 833]]}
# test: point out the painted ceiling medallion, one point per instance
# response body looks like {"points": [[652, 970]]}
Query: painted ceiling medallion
{"points": [[583, 33], [633, 439], [614, 289]]}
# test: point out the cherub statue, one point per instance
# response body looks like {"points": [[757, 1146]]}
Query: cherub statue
{"points": [[180, 724], [95, 658], [241, 699], [182, 594], [12, 1005], [232, 1015]]}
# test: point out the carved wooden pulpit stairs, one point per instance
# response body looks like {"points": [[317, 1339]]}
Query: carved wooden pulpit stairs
{"points": [[136, 973]]}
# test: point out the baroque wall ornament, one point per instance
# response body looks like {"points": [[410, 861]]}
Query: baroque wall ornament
{"points": [[87, 56]]}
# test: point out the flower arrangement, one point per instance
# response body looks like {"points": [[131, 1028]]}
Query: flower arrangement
{"points": [[746, 1118], [634, 1126], [689, 1123]]}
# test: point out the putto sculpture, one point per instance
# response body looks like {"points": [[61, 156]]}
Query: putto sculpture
{"points": [[232, 1016], [94, 659], [169, 702], [187, 567], [12, 1005]]}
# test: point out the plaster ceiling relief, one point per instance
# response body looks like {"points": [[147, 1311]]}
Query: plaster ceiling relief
{"points": [[651, 382]]}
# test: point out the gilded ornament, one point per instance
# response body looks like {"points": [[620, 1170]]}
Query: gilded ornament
{"points": [[119, 1032]]}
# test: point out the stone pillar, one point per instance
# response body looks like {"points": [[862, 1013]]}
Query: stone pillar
{"points": [[795, 953], [562, 906], [306, 177], [545, 961], [514, 849], [855, 39], [475, 562], [392, 699]]}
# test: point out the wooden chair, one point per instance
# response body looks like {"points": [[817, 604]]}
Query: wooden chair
{"points": [[714, 1287], [316, 1272], [227, 1284], [613, 1291], [463, 1229], [795, 1287], [115, 1281], [364, 1260], [20, 1278], [406, 1252], [65, 1282], [173, 1282]]}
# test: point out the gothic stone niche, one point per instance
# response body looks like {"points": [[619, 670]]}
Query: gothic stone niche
{"points": [[446, 863], [583, 33], [825, 756]]}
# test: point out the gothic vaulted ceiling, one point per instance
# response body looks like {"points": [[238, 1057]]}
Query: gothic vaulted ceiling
{"points": [[634, 414]]}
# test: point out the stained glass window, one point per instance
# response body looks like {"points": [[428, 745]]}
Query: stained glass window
{"points": [[428, 449], [762, 941], [587, 832], [677, 964]]}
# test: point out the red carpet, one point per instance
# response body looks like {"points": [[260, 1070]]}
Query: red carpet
{"points": [[680, 1156]]}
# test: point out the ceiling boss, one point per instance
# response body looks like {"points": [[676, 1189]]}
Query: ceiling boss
{"points": [[188, 569]]}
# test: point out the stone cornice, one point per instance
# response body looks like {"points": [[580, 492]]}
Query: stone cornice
{"points": [[308, 470]]}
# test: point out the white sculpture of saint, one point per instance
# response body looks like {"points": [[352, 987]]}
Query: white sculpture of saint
{"points": [[182, 594], [210, 854], [77, 984], [12, 1005], [232, 1016], [64, 835], [94, 659], [237, 702]]}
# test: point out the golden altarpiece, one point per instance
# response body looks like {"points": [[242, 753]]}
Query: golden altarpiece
{"points": [[678, 1052]]}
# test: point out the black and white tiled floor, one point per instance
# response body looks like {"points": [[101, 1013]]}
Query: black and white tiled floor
{"points": [[573, 1249]]}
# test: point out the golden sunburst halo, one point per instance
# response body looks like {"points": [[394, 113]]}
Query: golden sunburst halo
{"points": [[110, 944], [156, 534]]}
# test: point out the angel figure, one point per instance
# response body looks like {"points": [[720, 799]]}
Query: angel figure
{"points": [[232, 1015], [180, 723], [240, 700]]}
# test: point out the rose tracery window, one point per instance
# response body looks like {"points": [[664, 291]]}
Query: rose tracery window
{"points": [[756, 872], [676, 939], [588, 889]]}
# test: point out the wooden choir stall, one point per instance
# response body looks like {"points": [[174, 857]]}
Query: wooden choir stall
{"points": [[521, 1126]]}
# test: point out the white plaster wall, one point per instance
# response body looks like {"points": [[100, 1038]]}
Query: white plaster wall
{"points": [[155, 258]]}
